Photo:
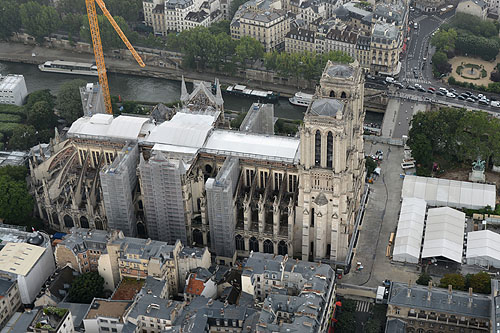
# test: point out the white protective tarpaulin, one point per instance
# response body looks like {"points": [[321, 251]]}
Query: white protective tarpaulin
{"points": [[451, 193], [483, 248], [410, 229], [444, 234]]}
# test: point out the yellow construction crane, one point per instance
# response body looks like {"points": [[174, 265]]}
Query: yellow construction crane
{"points": [[99, 55]]}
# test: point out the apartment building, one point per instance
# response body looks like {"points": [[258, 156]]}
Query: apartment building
{"points": [[10, 300], [12, 89], [300, 40], [385, 48], [343, 40], [105, 316], [423, 308], [267, 26], [52, 319]]}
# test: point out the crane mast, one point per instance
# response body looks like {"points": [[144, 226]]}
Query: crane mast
{"points": [[97, 45]]}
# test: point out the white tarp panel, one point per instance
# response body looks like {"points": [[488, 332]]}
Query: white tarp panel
{"points": [[452, 193], [444, 234], [410, 229], [483, 248]]}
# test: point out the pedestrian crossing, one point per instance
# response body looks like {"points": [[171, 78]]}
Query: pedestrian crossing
{"points": [[362, 306], [420, 81]]}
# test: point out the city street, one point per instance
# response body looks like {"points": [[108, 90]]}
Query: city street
{"points": [[381, 218]]}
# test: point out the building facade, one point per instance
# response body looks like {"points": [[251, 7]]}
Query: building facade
{"points": [[10, 300], [12, 89]]}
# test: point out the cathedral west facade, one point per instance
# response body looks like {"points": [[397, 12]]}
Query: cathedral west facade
{"points": [[189, 177]]}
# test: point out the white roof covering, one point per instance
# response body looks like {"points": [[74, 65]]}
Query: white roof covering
{"points": [[452, 193], [253, 145], [19, 258], [410, 230], [483, 248], [444, 234], [184, 129], [104, 125]]}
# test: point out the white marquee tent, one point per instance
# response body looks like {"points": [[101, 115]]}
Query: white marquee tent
{"points": [[483, 248], [410, 229], [451, 193], [444, 234]]}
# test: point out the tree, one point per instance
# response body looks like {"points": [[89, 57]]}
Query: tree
{"points": [[233, 8], [16, 203], [40, 95], [14, 172], [69, 103], [457, 281], [39, 20], [370, 165], [109, 37], [72, 6], [479, 282], [9, 18], [23, 138], [127, 9], [346, 323], [72, 23], [86, 287], [220, 27], [440, 62], [444, 40], [41, 116], [249, 48], [424, 278]]}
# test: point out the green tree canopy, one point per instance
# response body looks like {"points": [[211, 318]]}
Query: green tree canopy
{"points": [[86, 287], [40, 95], [440, 62], [235, 4], [41, 116], [220, 27], [23, 137], [14, 172], [109, 37], [456, 280], [479, 282], [444, 40], [69, 103], [346, 322], [10, 20], [39, 20], [249, 48], [424, 278], [16, 203]]}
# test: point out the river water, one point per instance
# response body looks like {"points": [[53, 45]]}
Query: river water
{"points": [[139, 88]]}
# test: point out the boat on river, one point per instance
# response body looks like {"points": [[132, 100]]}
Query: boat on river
{"points": [[69, 67], [241, 90], [301, 99]]}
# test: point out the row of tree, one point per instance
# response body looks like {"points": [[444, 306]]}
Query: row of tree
{"points": [[454, 135], [479, 282], [307, 65]]}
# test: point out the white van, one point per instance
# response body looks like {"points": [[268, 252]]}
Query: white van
{"points": [[407, 165], [495, 104], [443, 90], [415, 25], [389, 79]]}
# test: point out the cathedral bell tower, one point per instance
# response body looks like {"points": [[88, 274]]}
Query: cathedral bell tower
{"points": [[331, 163]]}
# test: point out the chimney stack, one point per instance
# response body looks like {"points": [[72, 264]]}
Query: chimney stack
{"points": [[409, 289], [429, 292], [470, 298], [450, 289]]}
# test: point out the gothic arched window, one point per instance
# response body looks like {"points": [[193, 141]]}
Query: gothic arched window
{"points": [[343, 95], [317, 148], [329, 150], [332, 93]]}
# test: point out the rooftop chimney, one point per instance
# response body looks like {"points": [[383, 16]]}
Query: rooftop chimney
{"points": [[449, 293], [409, 289], [429, 292]]}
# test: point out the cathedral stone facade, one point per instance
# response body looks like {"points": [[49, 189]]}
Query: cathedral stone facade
{"points": [[194, 176]]}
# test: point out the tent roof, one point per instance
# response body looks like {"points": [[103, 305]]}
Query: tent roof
{"points": [[484, 243], [452, 193], [410, 230], [444, 234]]}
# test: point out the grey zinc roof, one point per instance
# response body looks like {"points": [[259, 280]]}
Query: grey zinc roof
{"points": [[196, 252], [78, 311], [439, 300], [164, 310], [325, 107], [395, 326], [19, 322], [340, 70], [385, 30], [5, 286]]}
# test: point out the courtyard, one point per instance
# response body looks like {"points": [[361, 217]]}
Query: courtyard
{"points": [[473, 70]]}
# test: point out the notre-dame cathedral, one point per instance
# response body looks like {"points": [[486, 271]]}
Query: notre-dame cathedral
{"points": [[186, 175]]}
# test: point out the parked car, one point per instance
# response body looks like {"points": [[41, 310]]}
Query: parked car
{"points": [[432, 88], [461, 98], [470, 99], [451, 95], [440, 93], [410, 88]]}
